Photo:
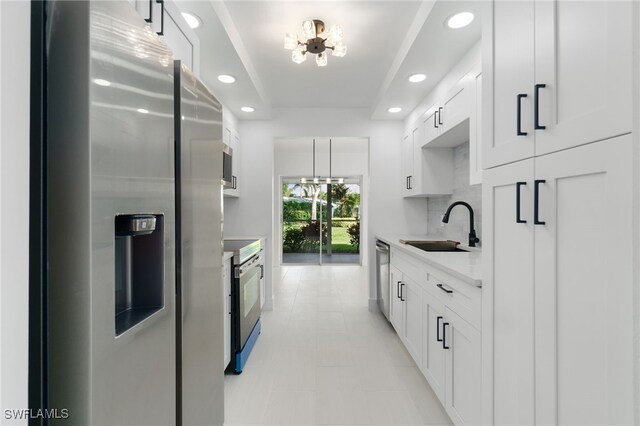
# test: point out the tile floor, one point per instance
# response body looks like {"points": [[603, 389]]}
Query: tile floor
{"points": [[324, 359]]}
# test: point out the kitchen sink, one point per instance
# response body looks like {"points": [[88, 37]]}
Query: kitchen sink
{"points": [[434, 245]]}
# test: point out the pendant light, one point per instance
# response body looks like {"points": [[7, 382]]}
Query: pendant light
{"points": [[316, 179]]}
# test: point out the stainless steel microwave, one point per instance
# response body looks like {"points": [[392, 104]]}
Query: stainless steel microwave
{"points": [[228, 179]]}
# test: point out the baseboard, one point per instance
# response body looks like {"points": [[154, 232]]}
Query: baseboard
{"points": [[373, 305], [268, 304]]}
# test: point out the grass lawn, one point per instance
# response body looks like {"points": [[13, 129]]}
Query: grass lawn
{"points": [[339, 236], [340, 241]]}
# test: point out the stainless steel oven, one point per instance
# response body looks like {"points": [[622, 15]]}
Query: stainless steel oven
{"points": [[248, 278], [228, 178], [245, 299]]}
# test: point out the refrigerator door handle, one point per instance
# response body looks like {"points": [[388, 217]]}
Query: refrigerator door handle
{"points": [[161, 32], [150, 18]]}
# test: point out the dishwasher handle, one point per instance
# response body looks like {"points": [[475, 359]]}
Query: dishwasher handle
{"points": [[382, 247]]}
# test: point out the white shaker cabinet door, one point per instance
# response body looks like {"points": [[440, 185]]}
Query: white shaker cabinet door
{"points": [[433, 354], [396, 308], [584, 285], [584, 52], [411, 294], [508, 68], [463, 375], [431, 126], [508, 294]]}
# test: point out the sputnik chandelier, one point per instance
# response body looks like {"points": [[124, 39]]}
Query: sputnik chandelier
{"points": [[313, 32]]}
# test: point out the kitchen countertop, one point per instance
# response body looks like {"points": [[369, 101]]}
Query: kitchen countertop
{"points": [[465, 266]]}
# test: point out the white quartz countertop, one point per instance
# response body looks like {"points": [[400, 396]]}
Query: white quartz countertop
{"points": [[465, 266]]}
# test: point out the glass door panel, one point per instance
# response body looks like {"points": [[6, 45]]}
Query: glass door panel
{"points": [[301, 219], [342, 222]]}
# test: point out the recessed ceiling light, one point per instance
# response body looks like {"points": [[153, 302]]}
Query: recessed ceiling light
{"points": [[248, 109], [102, 82], [226, 78], [393, 110], [192, 20], [460, 20], [143, 111], [417, 78]]}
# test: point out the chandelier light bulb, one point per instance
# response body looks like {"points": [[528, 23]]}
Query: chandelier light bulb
{"points": [[340, 49], [290, 41], [321, 59], [303, 180], [316, 180], [335, 34], [340, 180], [298, 55], [309, 29]]}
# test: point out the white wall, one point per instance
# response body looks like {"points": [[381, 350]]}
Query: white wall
{"points": [[14, 204], [388, 212]]}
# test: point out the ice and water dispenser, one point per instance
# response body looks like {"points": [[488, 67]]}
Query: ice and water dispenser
{"points": [[139, 268]]}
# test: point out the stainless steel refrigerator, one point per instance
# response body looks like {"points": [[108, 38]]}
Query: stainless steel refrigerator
{"points": [[198, 124], [121, 318]]}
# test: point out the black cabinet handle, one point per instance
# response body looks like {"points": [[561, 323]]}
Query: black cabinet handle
{"points": [[406, 182], [518, 185], [161, 32], [536, 107], [402, 292], [446, 290], [536, 202], [150, 18], [519, 131], [398, 290], [444, 335], [435, 119], [410, 187], [234, 182], [440, 115], [438, 320]]}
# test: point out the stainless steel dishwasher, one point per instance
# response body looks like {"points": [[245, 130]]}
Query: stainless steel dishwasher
{"points": [[382, 276]]}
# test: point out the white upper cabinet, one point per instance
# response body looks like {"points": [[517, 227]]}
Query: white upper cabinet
{"points": [[407, 161], [584, 53], [165, 19], [455, 107], [558, 75], [508, 63]]}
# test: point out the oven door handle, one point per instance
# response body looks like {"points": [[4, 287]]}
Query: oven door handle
{"points": [[241, 270]]}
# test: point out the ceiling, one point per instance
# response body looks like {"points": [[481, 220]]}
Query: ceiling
{"points": [[387, 41]]}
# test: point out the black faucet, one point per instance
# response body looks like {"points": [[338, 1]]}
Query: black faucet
{"points": [[472, 232]]}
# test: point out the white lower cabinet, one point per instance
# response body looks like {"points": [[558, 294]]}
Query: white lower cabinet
{"points": [[411, 294], [396, 314], [463, 377], [433, 353], [558, 288], [438, 320]]}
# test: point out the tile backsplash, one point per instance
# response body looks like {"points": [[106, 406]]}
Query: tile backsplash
{"points": [[458, 226]]}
